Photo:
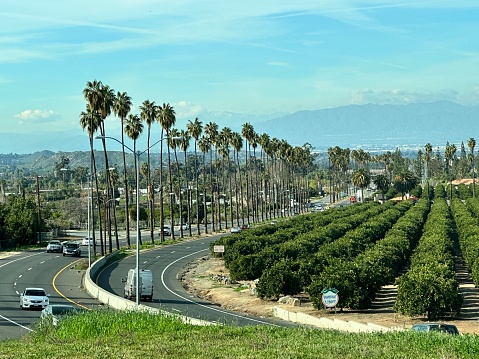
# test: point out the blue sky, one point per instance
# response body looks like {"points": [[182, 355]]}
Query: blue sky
{"points": [[232, 62]]}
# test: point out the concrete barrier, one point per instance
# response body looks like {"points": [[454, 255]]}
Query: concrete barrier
{"points": [[326, 323], [121, 303]]}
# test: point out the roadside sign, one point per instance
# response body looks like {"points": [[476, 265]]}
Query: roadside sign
{"points": [[219, 249], [330, 297]]}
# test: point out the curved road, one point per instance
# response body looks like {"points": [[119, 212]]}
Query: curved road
{"points": [[165, 263], [34, 269]]}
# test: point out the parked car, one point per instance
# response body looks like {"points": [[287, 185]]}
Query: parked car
{"points": [[72, 249], [244, 227], [436, 327], [235, 229], [34, 298], [54, 246], [55, 312]]}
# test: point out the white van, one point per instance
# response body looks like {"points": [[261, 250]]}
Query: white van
{"points": [[146, 284]]}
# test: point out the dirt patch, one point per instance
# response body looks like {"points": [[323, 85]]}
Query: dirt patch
{"points": [[207, 278]]}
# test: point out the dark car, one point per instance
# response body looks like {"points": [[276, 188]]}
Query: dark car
{"points": [[71, 249], [244, 227], [436, 327]]}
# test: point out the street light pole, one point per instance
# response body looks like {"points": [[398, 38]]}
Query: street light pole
{"points": [[137, 154]]}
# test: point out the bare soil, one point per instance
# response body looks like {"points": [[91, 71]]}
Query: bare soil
{"points": [[207, 279]]}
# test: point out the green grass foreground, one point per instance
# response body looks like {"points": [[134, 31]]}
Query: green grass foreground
{"points": [[111, 334]]}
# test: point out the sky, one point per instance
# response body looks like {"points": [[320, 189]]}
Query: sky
{"points": [[231, 62]]}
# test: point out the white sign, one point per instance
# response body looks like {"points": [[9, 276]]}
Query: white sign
{"points": [[330, 297], [219, 249]]}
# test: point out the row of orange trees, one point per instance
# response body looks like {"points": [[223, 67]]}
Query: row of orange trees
{"points": [[361, 248]]}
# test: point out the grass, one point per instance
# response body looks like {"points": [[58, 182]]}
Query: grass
{"points": [[109, 334]]}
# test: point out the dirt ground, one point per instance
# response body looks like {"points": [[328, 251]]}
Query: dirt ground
{"points": [[206, 279]]}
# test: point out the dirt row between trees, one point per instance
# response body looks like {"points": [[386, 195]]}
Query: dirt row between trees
{"points": [[205, 278]]}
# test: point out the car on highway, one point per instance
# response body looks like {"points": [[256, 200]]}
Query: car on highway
{"points": [[72, 249], [235, 230], [166, 230], [54, 246], [184, 227], [54, 312], [87, 241], [436, 327], [244, 227], [34, 298]]}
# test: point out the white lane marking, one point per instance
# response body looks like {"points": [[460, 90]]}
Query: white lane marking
{"points": [[17, 324], [20, 276], [30, 268], [18, 259], [172, 251], [203, 305]]}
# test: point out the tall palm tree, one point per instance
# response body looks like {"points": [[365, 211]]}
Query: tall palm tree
{"points": [[195, 129], [427, 160], [167, 119], [405, 181], [121, 108], [264, 141], [224, 151], [211, 131], [148, 115], [247, 131], [204, 145], [449, 153], [91, 121], [184, 144], [100, 98], [174, 143], [471, 143], [237, 143], [133, 129]]}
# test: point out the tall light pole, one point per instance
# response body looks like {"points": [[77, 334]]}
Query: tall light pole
{"points": [[137, 154]]}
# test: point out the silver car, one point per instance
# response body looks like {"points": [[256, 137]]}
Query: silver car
{"points": [[54, 246]]}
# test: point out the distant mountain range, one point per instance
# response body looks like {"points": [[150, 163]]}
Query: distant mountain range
{"points": [[371, 127], [378, 126]]}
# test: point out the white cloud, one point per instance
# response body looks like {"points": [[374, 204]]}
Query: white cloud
{"points": [[187, 110], [37, 116], [399, 96]]}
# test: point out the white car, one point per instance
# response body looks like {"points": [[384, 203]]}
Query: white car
{"points": [[235, 229], [53, 312], [34, 298], [87, 241], [54, 246]]}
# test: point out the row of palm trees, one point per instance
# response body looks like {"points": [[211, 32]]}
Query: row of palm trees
{"points": [[255, 189]]}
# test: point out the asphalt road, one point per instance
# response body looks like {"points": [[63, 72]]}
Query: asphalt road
{"points": [[168, 294], [36, 269]]}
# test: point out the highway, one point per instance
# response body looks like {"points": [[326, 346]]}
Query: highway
{"points": [[36, 269], [165, 263]]}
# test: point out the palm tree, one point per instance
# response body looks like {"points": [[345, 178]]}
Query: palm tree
{"points": [[148, 115], [211, 131], [173, 143], [404, 182], [99, 98], [427, 159], [471, 143], [133, 129], [224, 151], [121, 107], [247, 131], [195, 129], [184, 144], [382, 183], [361, 179], [167, 119], [237, 143], [91, 121], [204, 145], [449, 153]]}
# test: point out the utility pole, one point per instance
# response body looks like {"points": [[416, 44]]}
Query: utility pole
{"points": [[39, 217]]}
